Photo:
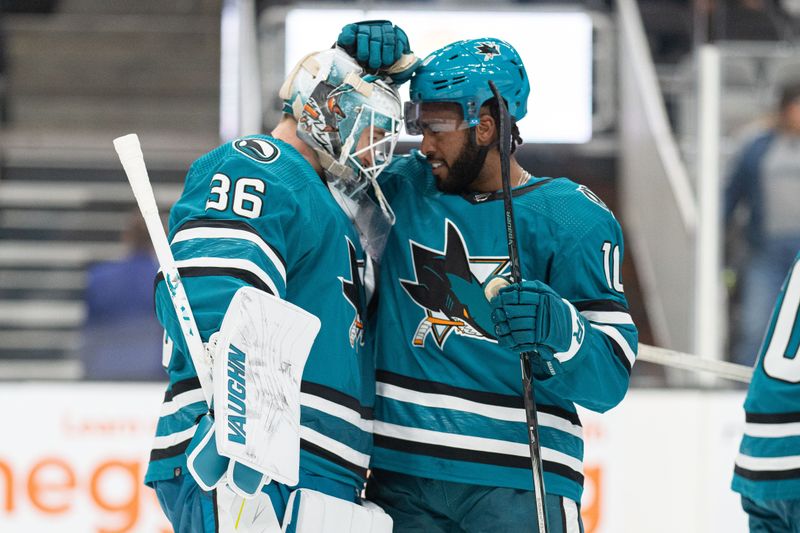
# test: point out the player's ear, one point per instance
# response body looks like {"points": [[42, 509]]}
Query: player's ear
{"points": [[487, 130]]}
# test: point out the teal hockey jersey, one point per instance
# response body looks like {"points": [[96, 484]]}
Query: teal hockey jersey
{"points": [[449, 399], [768, 464], [254, 212]]}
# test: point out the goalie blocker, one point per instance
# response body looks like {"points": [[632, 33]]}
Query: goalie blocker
{"points": [[253, 435]]}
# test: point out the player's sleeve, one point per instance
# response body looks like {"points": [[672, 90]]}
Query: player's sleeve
{"points": [[220, 244], [588, 275], [404, 170]]}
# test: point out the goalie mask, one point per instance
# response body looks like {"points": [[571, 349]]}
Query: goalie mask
{"points": [[351, 120]]}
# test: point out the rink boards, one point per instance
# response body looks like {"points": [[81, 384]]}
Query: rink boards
{"points": [[72, 457]]}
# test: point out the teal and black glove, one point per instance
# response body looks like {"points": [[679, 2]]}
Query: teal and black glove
{"points": [[532, 317], [381, 47]]}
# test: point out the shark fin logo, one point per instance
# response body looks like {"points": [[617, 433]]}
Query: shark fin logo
{"points": [[353, 291], [487, 49], [449, 288]]}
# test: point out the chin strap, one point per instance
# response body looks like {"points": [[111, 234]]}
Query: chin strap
{"points": [[483, 151]]}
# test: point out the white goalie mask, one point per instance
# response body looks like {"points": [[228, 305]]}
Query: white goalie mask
{"points": [[352, 120]]}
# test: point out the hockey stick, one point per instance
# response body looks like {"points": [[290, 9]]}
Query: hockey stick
{"points": [[130, 155], [687, 361], [516, 275]]}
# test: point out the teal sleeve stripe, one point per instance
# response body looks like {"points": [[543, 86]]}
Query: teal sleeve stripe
{"points": [[777, 447], [241, 253], [783, 489], [558, 480], [180, 421], [337, 429], [474, 425]]}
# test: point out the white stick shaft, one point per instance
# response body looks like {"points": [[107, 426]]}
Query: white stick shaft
{"points": [[130, 155], [695, 363]]}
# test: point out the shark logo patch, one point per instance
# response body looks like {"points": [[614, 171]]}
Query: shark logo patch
{"points": [[353, 291], [487, 49], [449, 288]]}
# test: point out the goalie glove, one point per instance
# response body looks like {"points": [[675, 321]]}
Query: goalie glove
{"points": [[380, 47]]}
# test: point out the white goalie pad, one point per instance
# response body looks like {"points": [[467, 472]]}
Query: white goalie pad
{"points": [[309, 511], [261, 351]]}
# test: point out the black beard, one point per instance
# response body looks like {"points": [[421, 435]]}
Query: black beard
{"points": [[464, 170]]}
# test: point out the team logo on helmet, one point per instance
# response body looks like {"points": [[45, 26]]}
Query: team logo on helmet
{"points": [[449, 288], [487, 49], [353, 290], [321, 116], [259, 150]]}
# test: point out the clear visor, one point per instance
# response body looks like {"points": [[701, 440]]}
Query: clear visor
{"points": [[367, 207], [416, 124]]}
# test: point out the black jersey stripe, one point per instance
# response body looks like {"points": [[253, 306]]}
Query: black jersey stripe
{"points": [[474, 456], [767, 475], [432, 387], [554, 410], [337, 397], [179, 387], [319, 451], [619, 353], [157, 454], [771, 418], [487, 398], [600, 305], [230, 224], [239, 273]]}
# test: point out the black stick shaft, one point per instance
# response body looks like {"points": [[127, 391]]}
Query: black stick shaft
{"points": [[516, 274]]}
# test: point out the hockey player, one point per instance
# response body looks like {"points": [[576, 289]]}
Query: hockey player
{"points": [[451, 449], [268, 212], [767, 471]]}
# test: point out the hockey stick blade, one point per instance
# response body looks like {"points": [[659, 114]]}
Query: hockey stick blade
{"points": [[130, 155]]}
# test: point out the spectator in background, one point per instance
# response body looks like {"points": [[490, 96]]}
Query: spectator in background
{"points": [[765, 179], [121, 338]]}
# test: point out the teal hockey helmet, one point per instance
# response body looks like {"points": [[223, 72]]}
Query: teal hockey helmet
{"points": [[460, 73]]}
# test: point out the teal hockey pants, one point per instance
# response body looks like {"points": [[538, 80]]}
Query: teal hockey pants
{"points": [[772, 516], [419, 504]]}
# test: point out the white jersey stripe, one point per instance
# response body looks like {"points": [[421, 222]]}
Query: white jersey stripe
{"points": [[768, 463], [224, 262], [617, 337], [335, 447], [337, 410], [165, 441], [608, 317], [230, 233], [182, 400], [575, 340], [772, 431], [466, 442], [571, 515], [443, 401]]}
